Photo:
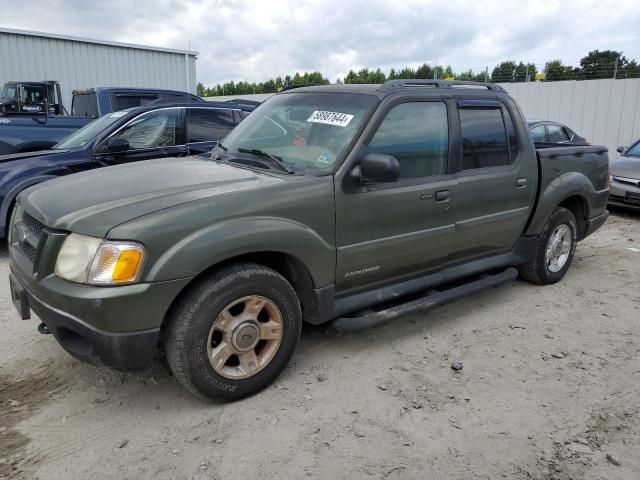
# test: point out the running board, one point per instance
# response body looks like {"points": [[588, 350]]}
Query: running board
{"points": [[431, 299]]}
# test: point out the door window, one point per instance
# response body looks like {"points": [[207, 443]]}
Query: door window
{"points": [[417, 134], [539, 134], [557, 134], [208, 124], [484, 138], [152, 130]]}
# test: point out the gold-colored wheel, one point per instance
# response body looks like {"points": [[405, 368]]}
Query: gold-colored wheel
{"points": [[245, 337]]}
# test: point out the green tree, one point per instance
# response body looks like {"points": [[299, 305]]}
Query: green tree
{"points": [[525, 73], [555, 70], [424, 71], [200, 90], [603, 64], [503, 72], [630, 70]]}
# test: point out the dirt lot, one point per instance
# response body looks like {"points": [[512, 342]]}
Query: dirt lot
{"points": [[550, 387]]}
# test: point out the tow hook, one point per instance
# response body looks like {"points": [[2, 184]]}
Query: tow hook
{"points": [[43, 329]]}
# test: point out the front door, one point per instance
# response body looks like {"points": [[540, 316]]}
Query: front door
{"points": [[388, 231]]}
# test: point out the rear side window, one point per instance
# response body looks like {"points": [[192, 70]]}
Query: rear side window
{"points": [[417, 134], [557, 134], [85, 105], [484, 138], [208, 124], [121, 102]]}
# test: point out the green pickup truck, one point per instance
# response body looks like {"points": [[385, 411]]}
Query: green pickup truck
{"points": [[353, 204]]}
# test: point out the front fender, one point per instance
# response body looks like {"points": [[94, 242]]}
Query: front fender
{"points": [[567, 185], [224, 240], [10, 192]]}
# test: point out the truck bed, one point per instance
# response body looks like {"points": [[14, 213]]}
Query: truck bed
{"points": [[569, 166]]}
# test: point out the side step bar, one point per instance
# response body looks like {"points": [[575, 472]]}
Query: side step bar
{"points": [[429, 300]]}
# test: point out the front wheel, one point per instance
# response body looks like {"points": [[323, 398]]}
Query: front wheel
{"points": [[234, 332], [554, 249]]}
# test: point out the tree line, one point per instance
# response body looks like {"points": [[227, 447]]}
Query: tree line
{"points": [[595, 65]]}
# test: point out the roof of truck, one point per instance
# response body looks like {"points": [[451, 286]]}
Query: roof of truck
{"points": [[391, 86]]}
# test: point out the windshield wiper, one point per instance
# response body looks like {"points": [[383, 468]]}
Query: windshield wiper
{"points": [[274, 159]]}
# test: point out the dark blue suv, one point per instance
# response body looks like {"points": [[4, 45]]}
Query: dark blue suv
{"points": [[156, 130]]}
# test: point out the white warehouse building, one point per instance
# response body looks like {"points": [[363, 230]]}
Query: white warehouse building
{"points": [[81, 63]]}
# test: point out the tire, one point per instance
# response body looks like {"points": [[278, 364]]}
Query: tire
{"points": [[221, 317], [540, 269]]}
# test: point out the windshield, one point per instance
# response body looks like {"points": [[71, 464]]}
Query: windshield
{"points": [[308, 131], [8, 91], [633, 151], [87, 133]]}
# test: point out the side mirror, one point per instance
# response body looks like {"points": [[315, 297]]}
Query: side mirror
{"points": [[117, 145], [621, 149], [379, 168]]}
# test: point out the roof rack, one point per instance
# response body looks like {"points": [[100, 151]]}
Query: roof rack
{"points": [[418, 82]]}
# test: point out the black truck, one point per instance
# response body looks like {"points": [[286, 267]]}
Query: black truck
{"points": [[29, 98]]}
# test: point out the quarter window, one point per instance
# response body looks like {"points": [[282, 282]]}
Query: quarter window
{"points": [[152, 130], [417, 134], [208, 125], [484, 138]]}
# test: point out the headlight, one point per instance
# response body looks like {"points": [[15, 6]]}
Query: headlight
{"points": [[96, 261]]}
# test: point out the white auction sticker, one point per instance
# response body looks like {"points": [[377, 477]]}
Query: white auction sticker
{"points": [[330, 118]]}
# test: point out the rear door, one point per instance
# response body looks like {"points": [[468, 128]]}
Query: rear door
{"points": [[497, 179], [388, 231], [206, 126]]}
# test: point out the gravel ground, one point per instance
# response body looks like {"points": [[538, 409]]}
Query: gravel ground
{"points": [[550, 389]]}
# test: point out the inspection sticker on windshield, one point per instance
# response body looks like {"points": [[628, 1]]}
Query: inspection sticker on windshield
{"points": [[330, 118]]}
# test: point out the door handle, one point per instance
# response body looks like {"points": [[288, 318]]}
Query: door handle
{"points": [[442, 196], [521, 182]]}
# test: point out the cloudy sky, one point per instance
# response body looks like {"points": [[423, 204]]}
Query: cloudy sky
{"points": [[257, 40]]}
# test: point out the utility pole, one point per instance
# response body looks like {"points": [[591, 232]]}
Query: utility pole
{"points": [[615, 69], [526, 75], [486, 74]]}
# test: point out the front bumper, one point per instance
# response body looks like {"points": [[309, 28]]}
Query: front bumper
{"points": [[624, 195], [113, 326], [117, 350]]}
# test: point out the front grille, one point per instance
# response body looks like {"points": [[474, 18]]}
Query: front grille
{"points": [[32, 224], [629, 181], [29, 251], [31, 233]]}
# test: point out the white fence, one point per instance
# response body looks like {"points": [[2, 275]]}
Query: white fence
{"points": [[605, 112]]}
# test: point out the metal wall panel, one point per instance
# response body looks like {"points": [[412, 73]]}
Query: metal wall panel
{"points": [[606, 112], [79, 64]]}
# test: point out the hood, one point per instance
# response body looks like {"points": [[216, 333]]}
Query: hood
{"points": [[626, 167], [94, 202], [19, 156]]}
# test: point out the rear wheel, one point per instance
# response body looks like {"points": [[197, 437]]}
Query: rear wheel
{"points": [[234, 332], [554, 249]]}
